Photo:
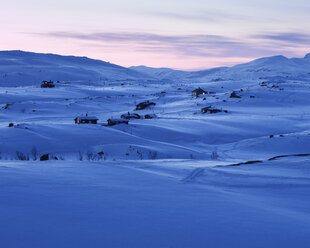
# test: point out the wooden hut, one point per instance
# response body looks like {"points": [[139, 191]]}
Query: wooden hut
{"points": [[129, 116], [234, 95], [198, 92], [86, 120], [144, 105], [47, 84], [112, 122]]}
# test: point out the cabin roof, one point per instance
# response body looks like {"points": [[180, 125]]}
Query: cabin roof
{"points": [[90, 118], [143, 103], [198, 90], [130, 115], [209, 107], [117, 119]]}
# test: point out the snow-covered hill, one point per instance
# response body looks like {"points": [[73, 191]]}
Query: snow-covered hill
{"points": [[26, 68], [154, 204], [177, 75], [176, 177], [19, 68], [270, 67], [43, 118]]}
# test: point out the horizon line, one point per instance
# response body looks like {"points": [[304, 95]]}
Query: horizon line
{"points": [[144, 65]]}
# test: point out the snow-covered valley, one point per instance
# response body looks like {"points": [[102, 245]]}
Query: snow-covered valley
{"points": [[238, 177]]}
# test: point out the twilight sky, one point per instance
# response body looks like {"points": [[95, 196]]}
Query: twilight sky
{"points": [[181, 34]]}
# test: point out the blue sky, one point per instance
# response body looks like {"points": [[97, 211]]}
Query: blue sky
{"points": [[180, 34]]}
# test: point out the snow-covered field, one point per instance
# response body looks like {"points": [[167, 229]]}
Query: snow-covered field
{"points": [[154, 204], [161, 182]]}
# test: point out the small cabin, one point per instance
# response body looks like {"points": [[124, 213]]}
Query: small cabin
{"points": [[47, 84], [205, 109], [150, 116], [234, 95], [129, 116], [144, 105], [112, 122], [198, 92], [86, 120], [212, 110]]}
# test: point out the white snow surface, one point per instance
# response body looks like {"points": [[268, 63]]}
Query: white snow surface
{"points": [[182, 179]]}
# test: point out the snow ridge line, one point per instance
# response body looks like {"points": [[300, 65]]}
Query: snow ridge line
{"points": [[270, 159], [198, 172]]}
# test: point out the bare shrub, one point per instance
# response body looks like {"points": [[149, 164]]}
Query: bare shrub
{"points": [[214, 155], [34, 153], [80, 156], [22, 156]]}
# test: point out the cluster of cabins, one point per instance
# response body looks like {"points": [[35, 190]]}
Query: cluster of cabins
{"points": [[124, 118], [113, 121], [197, 92], [94, 120]]}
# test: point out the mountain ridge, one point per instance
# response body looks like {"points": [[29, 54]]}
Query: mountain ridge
{"points": [[30, 68], [18, 66]]}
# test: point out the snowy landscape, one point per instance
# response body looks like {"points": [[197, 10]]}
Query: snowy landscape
{"points": [[211, 158]]}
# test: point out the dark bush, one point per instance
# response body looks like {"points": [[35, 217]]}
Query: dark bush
{"points": [[44, 157]]}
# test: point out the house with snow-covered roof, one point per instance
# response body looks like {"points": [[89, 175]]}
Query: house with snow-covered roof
{"points": [[130, 116], [86, 120], [112, 122], [198, 92], [47, 84]]}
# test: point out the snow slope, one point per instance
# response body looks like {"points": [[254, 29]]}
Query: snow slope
{"points": [[137, 205], [25, 68], [269, 67], [43, 119], [238, 178]]}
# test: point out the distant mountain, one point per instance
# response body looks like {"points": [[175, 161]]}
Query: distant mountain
{"points": [[27, 68], [176, 75], [19, 67], [161, 73], [276, 66], [153, 71]]}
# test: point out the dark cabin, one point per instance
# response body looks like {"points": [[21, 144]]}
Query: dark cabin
{"points": [[144, 105], [86, 120], [198, 92], [47, 84], [129, 116], [112, 122], [150, 116], [205, 109], [211, 110], [234, 95]]}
